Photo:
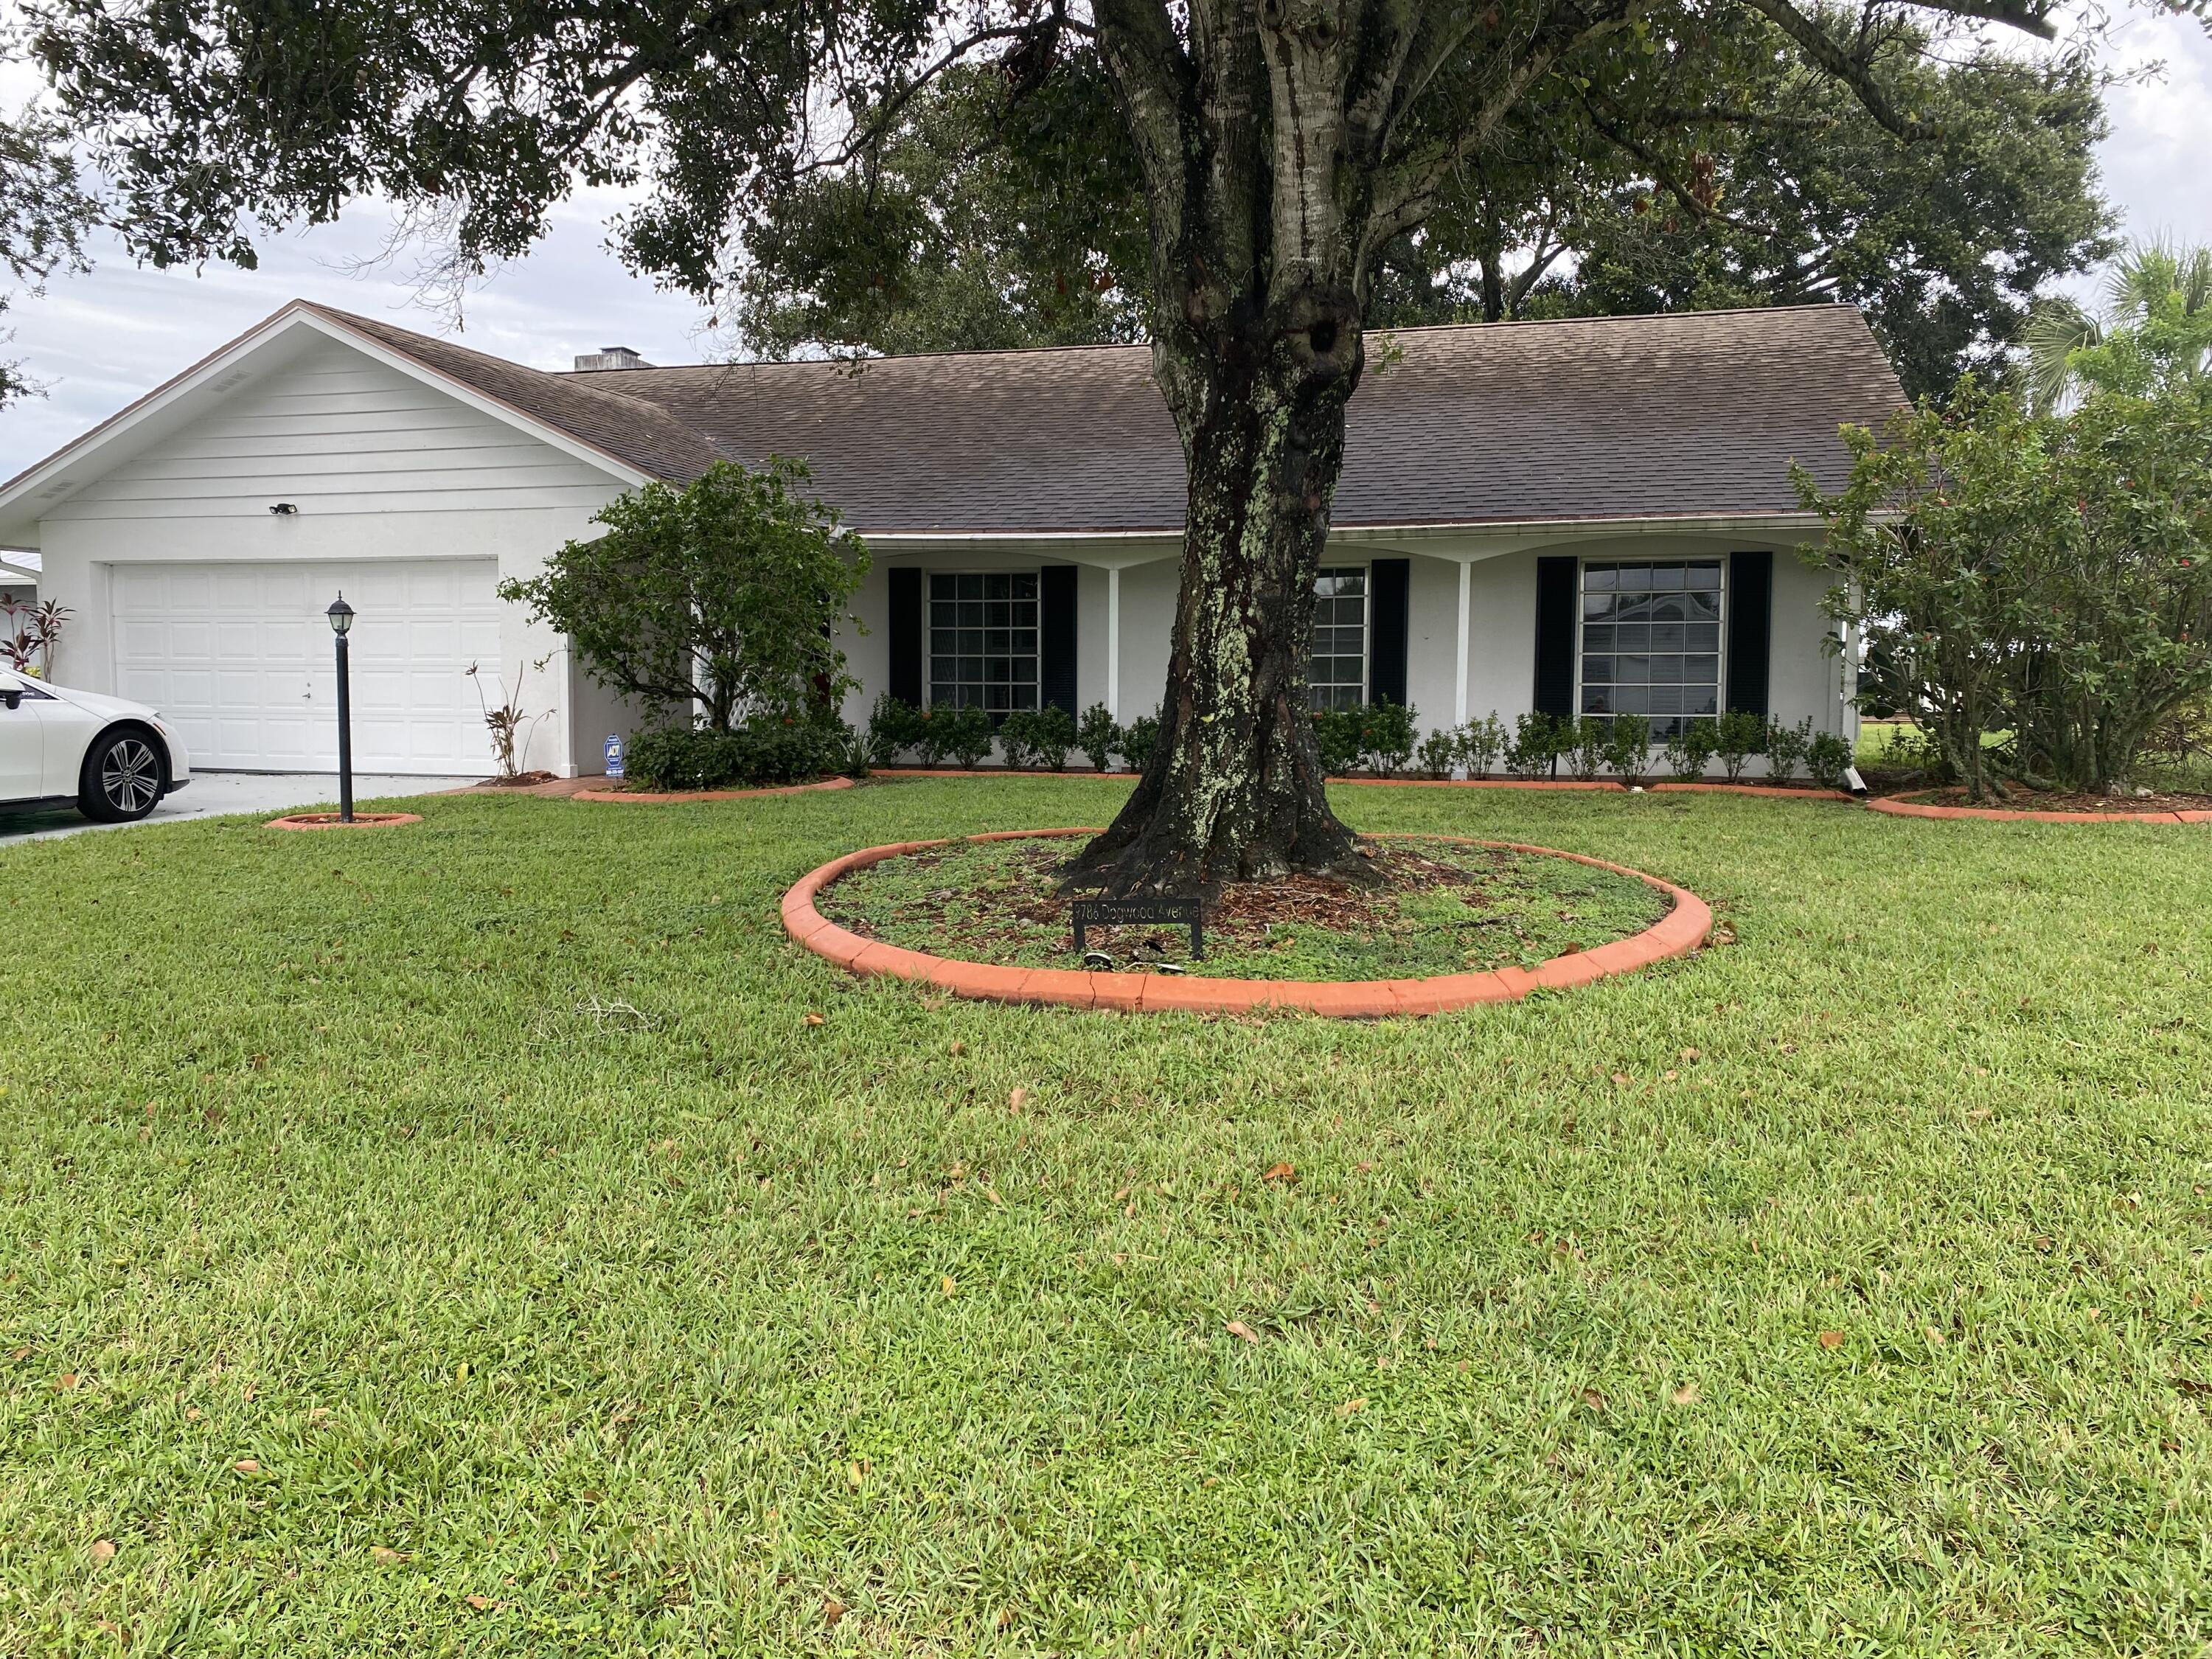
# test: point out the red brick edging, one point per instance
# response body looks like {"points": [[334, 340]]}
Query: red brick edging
{"points": [[650, 798], [332, 821], [1915, 809], [1677, 933]]}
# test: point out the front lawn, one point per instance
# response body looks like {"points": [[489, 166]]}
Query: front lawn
{"points": [[465, 1239]]}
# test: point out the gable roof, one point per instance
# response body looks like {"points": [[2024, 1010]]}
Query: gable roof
{"points": [[1690, 415]]}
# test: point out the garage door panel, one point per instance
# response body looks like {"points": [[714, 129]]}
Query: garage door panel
{"points": [[241, 657]]}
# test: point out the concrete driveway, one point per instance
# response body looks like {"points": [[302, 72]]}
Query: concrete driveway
{"points": [[212, 794]]}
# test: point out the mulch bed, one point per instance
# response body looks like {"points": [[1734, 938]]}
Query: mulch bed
{"points": [[2060, 801], [1439, 909], [519, 781]]}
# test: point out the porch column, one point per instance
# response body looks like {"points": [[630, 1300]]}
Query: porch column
{"points": [[1113, 640], [1466, 594]]}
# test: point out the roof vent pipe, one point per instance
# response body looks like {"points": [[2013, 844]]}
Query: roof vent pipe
{"points": [[610, 357]]}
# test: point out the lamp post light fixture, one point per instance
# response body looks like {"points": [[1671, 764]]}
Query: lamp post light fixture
{"points": [[340, 615]]}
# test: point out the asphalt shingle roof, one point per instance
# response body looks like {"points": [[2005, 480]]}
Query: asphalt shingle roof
{"points": [[1689, 414]]}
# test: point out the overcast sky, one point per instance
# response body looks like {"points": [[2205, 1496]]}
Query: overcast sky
{"points": [[99, 340]]}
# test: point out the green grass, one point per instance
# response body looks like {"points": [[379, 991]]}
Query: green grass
{"points": [[999, 901], [484, 1184]]}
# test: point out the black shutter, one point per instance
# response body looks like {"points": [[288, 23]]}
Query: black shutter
{"points": [[1750, 630], [905, 634], [1056, 636], [1556, 606], [1388, 582]]}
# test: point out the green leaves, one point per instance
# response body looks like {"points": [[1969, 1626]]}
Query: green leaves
{"points": [[727, 590]]}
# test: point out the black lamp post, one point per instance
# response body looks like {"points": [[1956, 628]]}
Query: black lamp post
{"points": [[340, 615]]}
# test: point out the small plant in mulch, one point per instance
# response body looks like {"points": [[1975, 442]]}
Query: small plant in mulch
{"points": [[1439, 908]]}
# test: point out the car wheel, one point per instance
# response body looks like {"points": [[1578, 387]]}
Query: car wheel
{"points": [[123, 776]]}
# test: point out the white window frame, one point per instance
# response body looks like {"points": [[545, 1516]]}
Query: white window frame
{"points": [[929, 625], [1366, 632], [1720, 651]]}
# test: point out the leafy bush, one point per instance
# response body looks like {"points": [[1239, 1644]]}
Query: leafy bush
{"points": [[931, 728], [894, 726], [2047, 576], [1690, 748], [1098, 736], [1826, 758], [1785, 748], [724, 594], [762, 752], [964, 734], [1386, 736], [1337, 731], [1138, 739], [1628, 748], [1032, 736], [1583, 742], [1436, 756], [1737, 736], [1478, 743], [1535, 745]]}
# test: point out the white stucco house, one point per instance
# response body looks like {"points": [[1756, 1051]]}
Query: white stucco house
{"points": [[1580, 515]]}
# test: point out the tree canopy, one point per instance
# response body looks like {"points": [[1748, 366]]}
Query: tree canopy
{"points": [[994, 217]]}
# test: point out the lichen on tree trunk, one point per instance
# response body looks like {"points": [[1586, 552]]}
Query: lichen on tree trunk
{"points": [[1235, 789]]}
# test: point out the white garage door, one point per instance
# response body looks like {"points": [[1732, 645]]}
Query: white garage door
{"points": [[239, 656]]}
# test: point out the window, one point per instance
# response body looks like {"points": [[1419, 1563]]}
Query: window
{"points": [[1652, 641], [1337, 676], [983, 641]]}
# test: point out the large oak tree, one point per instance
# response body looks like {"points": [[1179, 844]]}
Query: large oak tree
{"points": [[1282, 147]]}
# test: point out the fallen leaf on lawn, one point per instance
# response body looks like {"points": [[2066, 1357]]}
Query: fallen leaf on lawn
{"points": [[103, 1549], [484, 1603], [193, 1413], [1688, 1054], [1239, 1328], [814, 1019], [379, 1553], [66, 1381], [1620, 1079], [832, 1610], [1282, 1174], [247, 1466], [317, 1413], [948, 1284], [1006, 1617], [1687, 1395], [1017, 1099], [956, 1046], [1832, 1339], [1594, 1399], [1351, 1406], [1936, 1336]]}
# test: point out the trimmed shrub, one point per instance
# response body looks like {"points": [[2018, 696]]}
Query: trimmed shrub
{"points": [[762, 752], [1737, 736], [1037, 736], [893, 726], [1138, 739], [1478, 743], [1785, 748], [1583, 744], [1436, 756], [1827, 757], [1628, 748], [1534, 746], [1386, 736], [1340, 733], [1690, 748], [1098, 736], [964, 733]]}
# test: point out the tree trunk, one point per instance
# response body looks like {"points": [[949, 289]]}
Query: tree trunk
{"points": [[1233, 787]]}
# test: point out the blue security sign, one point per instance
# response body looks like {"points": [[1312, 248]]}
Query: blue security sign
{"points": [[614, 756]]}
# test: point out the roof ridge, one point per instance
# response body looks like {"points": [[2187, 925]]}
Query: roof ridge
{"points": [[1850, 306]]}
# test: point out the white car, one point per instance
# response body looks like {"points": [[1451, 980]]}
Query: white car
{"points": [[112, 760]]}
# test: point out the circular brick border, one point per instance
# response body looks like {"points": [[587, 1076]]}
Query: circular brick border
{"points": [[650, 798], [332, 821], [1914, 808], [1681, 931]]}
